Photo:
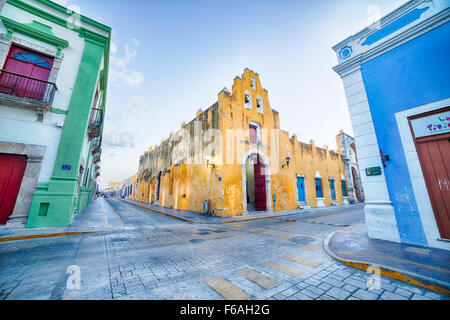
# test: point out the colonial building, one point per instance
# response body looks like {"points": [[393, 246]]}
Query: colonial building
{"points": [[235, 157], [53, 83], [396, 79], [346, 144]]}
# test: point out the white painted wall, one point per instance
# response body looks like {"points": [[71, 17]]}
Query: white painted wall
{"points": [[20, 125]]}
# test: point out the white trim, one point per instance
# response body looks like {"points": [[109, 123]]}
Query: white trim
{"points": [[437, 15], [244, 179], [415, 171], [258, 131], [380, 216]]}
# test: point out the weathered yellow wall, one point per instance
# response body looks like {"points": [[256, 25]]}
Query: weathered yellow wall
{"points": [[185, 185]]}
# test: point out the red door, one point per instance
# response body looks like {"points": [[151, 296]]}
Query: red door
{"points": [[31, 65], [12, 168], [260, 186], [434, 157]]}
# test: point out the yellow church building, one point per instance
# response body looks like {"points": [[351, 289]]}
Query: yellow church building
{"points": [[233, 159]]}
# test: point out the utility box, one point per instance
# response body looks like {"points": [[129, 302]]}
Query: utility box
{"points": [[207, 206]]}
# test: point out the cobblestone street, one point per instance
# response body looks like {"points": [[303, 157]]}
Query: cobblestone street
{"points": [[157, 257]]}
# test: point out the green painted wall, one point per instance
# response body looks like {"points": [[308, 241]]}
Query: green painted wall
{"points": [[60, 196]]}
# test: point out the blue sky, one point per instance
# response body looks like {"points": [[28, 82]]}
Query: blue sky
{"points": [[171, 57]]}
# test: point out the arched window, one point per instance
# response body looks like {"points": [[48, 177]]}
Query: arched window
{"points": [[32, 58], [248, 99], [253, 83], [259, 104]]}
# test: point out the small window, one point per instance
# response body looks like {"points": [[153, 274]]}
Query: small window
{"points": [[253, 133], [319, 188], [253, 83], [332, 189], [259, 104], [344, 188], [248, 100]]}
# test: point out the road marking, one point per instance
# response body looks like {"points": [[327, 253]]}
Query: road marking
{"points": [[259, 278], [311, 248], [226, 289], [292, 272], [269, 231], [417, 250], [305, 262], [256, 229], [284, 235]]}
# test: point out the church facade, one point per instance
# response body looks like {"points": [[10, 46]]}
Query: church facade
{"points": [[233, 159]]}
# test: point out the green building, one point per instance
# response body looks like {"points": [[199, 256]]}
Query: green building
{"points": [[53, 84]]}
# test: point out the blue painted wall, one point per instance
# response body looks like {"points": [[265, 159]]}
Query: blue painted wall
{"points": [[413, 74]]}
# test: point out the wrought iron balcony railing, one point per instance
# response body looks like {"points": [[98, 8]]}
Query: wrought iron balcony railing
{"points": [[26, 87], [96, 117], [95, 123]]}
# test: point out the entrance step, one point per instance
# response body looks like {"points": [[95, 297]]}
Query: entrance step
{"points": [[251, 207]]}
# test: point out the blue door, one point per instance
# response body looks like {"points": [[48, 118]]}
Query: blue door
{"points": [[301, 188], [333, 191]]}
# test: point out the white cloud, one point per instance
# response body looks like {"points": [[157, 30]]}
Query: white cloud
{"points": [[126, 78], [122, 139], [119, 72], [137, 103]]}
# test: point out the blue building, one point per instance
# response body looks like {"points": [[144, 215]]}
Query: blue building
{"points": [[396, 75]]}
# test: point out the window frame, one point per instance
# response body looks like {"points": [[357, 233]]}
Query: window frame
{"points": [[248, 104], [344, 188], [259, 104], [258, 132], [321, 187]]}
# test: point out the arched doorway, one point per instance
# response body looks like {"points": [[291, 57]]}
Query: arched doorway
{"points": [[158, 186], [255, 182]]}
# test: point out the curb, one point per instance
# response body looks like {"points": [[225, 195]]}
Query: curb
{"points": [[390, 272], [63, 234], [191, 221], [47, 235]]}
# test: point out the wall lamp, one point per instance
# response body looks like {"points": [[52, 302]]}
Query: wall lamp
{"points": [[288, 160]]}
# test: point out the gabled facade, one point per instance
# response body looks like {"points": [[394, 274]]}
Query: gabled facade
{"points": [[235, 156], [53, 80]]}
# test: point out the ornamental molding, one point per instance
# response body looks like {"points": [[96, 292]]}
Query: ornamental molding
{"points": [[353, 64]]}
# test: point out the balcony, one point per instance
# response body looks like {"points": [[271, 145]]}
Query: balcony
{"points": [[96, 158], [24, 92], [96, 145], [95, 123]]}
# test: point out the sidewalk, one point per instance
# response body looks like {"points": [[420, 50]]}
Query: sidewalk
{"points": [[424, 267], [99, 216], [195, 217]]}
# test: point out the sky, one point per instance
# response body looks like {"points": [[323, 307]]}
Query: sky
{"points": [[171, 57]]}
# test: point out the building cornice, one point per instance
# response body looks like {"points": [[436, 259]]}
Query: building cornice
{"points": [[423, 27], [35, 30]]}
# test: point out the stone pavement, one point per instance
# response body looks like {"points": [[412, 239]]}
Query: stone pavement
{"points": [[191, 216], [426, 267], [156, 257], [98, 216]]}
